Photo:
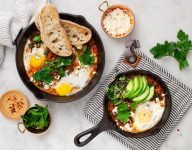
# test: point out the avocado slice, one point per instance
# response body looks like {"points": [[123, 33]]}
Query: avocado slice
{"points": [[136, 86], [129, 88], [142, 96], [137, 93], [151, 93], [144, 84]]}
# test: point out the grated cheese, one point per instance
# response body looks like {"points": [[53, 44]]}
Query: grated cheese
{"points": [[117, 22]]}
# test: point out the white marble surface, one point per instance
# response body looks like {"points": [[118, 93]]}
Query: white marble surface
{"points": [[156, 21]]}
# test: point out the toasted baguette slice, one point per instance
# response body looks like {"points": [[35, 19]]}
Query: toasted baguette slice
{"points": [[52, 33], [78, 35], [37, 21]]}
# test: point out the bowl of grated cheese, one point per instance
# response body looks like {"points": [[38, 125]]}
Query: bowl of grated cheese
{"points": [[117, 21]]}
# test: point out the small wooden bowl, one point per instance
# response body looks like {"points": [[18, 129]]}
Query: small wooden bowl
{"points": [[30, 129], [110, 9]]}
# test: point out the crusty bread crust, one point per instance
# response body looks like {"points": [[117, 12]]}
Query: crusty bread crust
{"points": [[52, 33], [37, 21], [77, 34]]}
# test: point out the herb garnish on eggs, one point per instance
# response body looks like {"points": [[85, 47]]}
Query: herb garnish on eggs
{"points": [[43, 75], [123, 112], [55, 66], [85, 56]]}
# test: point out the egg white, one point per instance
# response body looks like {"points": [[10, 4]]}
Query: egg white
{"points": [[154, 111], [28, 54], [78, 79]]}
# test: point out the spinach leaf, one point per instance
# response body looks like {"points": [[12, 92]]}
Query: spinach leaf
{"points": [[58, 62], [86, 56], [36, 117], [43, 75], [63, 61]]}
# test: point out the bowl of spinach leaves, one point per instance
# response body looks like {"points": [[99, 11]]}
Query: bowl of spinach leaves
{"points": [[36, 119]]}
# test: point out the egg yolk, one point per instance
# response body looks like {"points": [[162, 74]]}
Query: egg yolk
{"points": [[145, 116], [37, 61], [63, 89]]}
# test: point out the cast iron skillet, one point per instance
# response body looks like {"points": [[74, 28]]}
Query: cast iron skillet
{"points": [[20, 44], [107, 123]]}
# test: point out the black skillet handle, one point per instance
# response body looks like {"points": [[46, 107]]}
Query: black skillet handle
{"points": [[94, 131]]}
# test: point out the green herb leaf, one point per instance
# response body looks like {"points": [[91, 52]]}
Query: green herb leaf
{"points": [[61, 72], [123, 116], [63, 61], [162, 50], [134, 105], [122, 107], [181, 59], [178, 50], [123, 112], [84, 48], [36, 117], [115, 91], [86, 56], [37, 39], [57, 66], [43, 75], [182, 36]]}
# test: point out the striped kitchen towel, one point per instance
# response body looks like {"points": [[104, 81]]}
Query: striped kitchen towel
{"points": [[181, 101], [12, 22]]}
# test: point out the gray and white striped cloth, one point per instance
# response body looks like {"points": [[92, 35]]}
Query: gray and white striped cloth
{"points": [[12, 22], [181, 101]]}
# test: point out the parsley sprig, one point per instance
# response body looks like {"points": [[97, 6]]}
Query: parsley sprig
{"points": [[123, 112], [178, 50]]}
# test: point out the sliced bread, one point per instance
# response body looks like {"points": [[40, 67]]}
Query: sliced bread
{"points": [[77, 34], [52, 33]]}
